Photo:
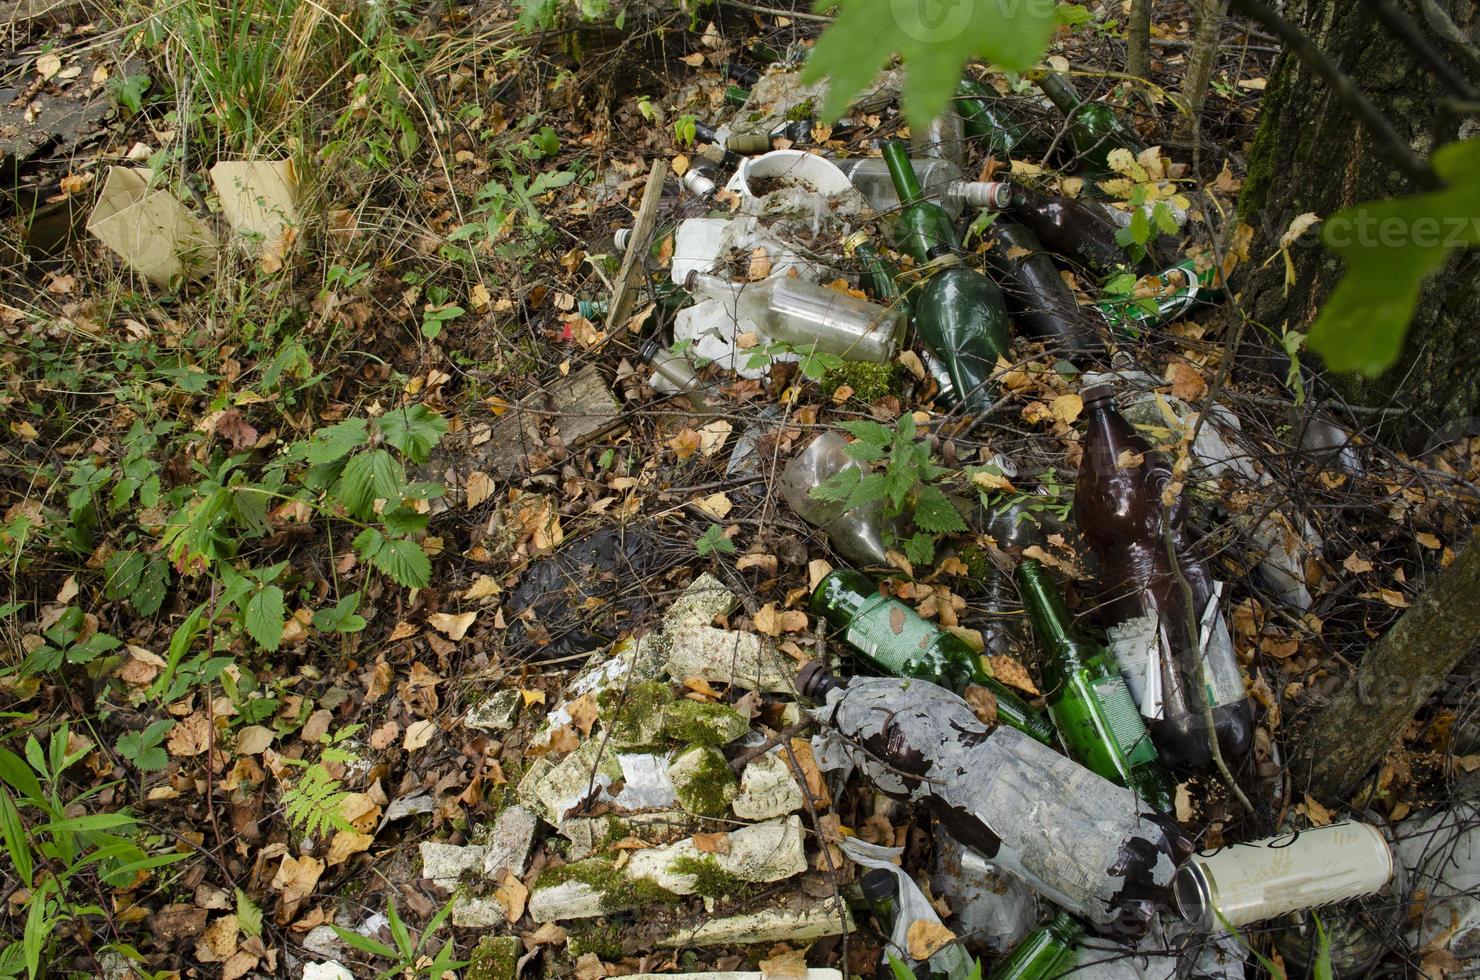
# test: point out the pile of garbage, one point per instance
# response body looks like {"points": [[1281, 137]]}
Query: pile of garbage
{"points": [[696, 778]]}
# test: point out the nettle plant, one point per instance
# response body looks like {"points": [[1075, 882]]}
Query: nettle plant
{"points": [[904, 479]]}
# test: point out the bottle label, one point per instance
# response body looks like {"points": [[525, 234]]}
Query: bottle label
{"points": [[1223, 682], [1140, 648], [1124, 721], [889, 633]]}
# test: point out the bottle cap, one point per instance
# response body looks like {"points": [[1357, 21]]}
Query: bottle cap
{"points": [[814, 680], [649, 349], [622, 238], [938, 251], [1097, 393], [879, 885], [697, 182]]}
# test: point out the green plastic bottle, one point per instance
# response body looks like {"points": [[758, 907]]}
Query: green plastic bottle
{"points": [[1043, 954], [1094, 129], [1087, 698], [984, 121], [959, 313], [897, 641]]}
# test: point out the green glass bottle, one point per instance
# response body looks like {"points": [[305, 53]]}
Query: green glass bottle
{"points": [[959, 313], [896, 640], [876, 274], [1087, 698], [998, 134], [1043, 954], [1094, 129], [1181, 289]]}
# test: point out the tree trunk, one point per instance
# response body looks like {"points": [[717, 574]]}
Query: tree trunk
{"points": [[1310, 155], [1366, 716], [1138, 40], [1202, 57]]}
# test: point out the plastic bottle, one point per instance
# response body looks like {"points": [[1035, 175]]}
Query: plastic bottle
{"points": [[989, 907], [893, 638], [805, 314], [1172, 657], [1087, 698], [1077, 839], [858, 533]]}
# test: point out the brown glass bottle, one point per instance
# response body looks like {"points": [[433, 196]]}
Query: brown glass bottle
{"points": [[1037, 296], [1172, 657], [1068, 227]]}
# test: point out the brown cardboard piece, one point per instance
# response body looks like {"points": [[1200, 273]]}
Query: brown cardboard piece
{"points": [[151, 230]]}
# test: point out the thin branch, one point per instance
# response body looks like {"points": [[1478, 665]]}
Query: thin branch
{"points": [[1408, 31], [1389, 143], [1440, 20], [775, 12]]}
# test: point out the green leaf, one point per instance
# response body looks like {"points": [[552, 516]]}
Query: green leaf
{"points": [[414, 430], [838, 487], [869, 489], [403, 520], [869, 435], [1390, 247], [331, 444], [1163, 219], [1072, 14], [265, 617], [376, 475], [935, 40], [341, 618], [920, 549], [405, 563], [363, 943], [714, 540], [248, 915], [935, 513], [14, 833]]}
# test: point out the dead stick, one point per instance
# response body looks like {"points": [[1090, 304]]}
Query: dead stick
{"points": [[624, 295]]}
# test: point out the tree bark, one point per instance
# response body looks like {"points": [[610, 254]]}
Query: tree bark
{"points": [[1203, 56], [1310, 155], [1367, 715], [1138, 40]]}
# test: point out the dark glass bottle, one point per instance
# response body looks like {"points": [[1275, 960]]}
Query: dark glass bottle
{"points": [[1043, 954], [1036, 294], [1065, 226], [1173, 657], [1094, 129], [984, 120], [959, 313], [1087, 698], [894, 639]]}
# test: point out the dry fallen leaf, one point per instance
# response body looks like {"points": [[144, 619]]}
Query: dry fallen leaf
{"points": [[254, 739], [789, 965], [1355, 564], [716, 843], [532, 697], [1318, 814], [345, 844], [479, 488], [512, 895], [1012, 673], [418, 734], [1066, 408], [583, 712], [925, 938], [455, 627], [1187, 382], [297, 877], [983, 703]]}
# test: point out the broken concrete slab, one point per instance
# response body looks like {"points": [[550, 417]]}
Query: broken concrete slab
{"points": [[767, 790], [705, 600], [327, 970], [585, 889], [731, 657], [495, 958], [508, 844], [702, 780], [800, 922], [703, 723], [495, 713], [587, 835], [445, 864], [573, 780], [477, 912]]}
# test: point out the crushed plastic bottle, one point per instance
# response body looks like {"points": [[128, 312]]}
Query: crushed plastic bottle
{"points": [[858, 533]]}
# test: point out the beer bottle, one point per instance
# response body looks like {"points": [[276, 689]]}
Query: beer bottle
{"points": [[893, 638], [984, 120], [1065, 226], [1094, 129], [1172, 657], [1036, 294], [1087, 698], [1045, 953]]}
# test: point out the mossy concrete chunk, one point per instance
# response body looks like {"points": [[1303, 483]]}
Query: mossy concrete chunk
{"points": [[767, 789], [703, 723], [703, 781], [495, 713], [731, 657], [507, 847], [582, 774], [445, 864], [704, 601], [789, 924], [628, 662], [495, 958], [477, 911], [588, 835], [633, 714], [586, 889]]}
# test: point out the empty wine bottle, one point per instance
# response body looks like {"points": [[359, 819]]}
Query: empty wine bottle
{"points": [[1176, 656], [1094, 129], [943, 138], [894, 638], [1036, 294], [1087, 698], [1077, 839], [1045, 953], [939, 180], [1065, 226], [1174, 293], [959, 313], [876, 274], [807, 315], [984, 120]]}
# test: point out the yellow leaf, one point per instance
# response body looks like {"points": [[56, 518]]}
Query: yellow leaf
{"points": [[479, 488], [1318, 814], [478, 296], [680, 165], [925, 938], [715, 506], [484, 587], [345, 844], [1066, 408], [1012, 673], [1428, 540], [297, 877], [817, 570], [418, 734], [532, 697], [512, 895], [455, 627], [1355, 564]]}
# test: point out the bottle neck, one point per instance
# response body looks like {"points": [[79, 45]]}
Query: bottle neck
{"points": [[1046, 610], [710, 286], [1060, 92], [902, 172], [1065, 929]]}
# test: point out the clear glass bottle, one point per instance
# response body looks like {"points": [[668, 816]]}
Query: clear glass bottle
{"points": [[943, 138], [938, 177], [808, 316]]}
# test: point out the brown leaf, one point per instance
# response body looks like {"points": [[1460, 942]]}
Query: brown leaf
{"points": [[1066, 408], [254, 739], [233, 427], [218, 943], [297, 877], [789, 965], [1012, 673], [479, 487], [346, 843], [686, 443], [190, 736], [766, 563], [385, 736], [816, 786], [379, 681], [1355, 564], [583, 712], [589, 967], [485, 586], [455, 627], [547, 933], [1428, 540], [983, 703], [1318, 814], [716, 843], [760, 265], [418, 734], [1187, 382], [238, 965], [512, 895], [925, 938]]}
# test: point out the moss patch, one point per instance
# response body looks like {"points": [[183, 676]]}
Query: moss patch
{"points": [[697, 723], [703, 781], [802, 110], [617, 890], [494, 958], [603, 940], [713, 881], [633, 714], [869, 382]]}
